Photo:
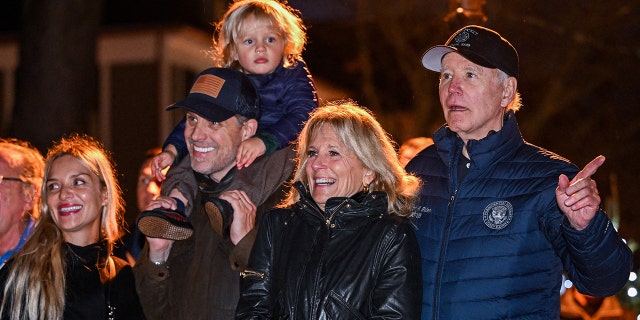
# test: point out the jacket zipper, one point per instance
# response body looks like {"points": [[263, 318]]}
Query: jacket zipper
{"points": [[333, 214], [443, 249], [321, 261], [445, 235], [251, 273]]}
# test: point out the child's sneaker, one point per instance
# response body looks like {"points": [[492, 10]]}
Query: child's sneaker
{"points": [[165, 223], [220, 215]]}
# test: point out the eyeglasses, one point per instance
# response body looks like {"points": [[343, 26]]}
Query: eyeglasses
{"points": [[3, 178]]}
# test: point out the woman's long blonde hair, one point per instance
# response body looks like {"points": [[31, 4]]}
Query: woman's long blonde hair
{"points": [[279, 15], [359, 131], [35, 287]]}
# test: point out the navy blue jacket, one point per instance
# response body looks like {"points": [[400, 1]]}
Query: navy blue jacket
{"points": [[287, 95], [495, 245]]}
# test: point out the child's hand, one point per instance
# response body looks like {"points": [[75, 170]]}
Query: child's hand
{"points": [[160, 164], [248, 151]]}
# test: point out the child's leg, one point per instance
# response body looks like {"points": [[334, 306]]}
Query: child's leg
{"points": [[172, 224], [181, 184], [175, 193]]}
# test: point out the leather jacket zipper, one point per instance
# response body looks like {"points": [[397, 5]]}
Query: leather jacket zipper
{"points": [[333, 214], [251, 273]]}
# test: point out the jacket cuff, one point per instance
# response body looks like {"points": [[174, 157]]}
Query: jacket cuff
{"points": [[270, 142], [155, 273], [151, 285], [592, 236]]}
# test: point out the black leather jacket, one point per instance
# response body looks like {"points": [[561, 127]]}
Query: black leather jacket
{"points": [[353, 261]]}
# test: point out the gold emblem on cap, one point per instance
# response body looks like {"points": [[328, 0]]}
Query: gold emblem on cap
{"points": [[208, 84]]}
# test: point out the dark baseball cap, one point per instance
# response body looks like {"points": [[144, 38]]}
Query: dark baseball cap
{"points": [[221, 93], [479, 45]]}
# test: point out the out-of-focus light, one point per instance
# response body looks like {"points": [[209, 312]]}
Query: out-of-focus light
{"points": [[465, 12], [568, 284], [632, 292], [633, 276]]}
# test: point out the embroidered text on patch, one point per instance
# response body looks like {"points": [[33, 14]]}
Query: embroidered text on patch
{"points": [[417, 211]]}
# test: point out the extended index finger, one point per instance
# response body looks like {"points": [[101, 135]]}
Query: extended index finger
{"points": [[590, 169]]}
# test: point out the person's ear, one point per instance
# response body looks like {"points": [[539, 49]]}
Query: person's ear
{"points": [[509, 89], [30, 199], [249, 129], [104, 196], [369, 175]]}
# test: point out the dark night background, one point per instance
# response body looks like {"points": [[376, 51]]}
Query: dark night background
{"points": [[579, 69]]}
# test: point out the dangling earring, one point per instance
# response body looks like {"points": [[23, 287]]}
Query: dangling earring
{"points": [[103, 213], [365, 187]]}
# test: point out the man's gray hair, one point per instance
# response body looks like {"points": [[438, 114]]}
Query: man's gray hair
{"points": [[516, 103]]}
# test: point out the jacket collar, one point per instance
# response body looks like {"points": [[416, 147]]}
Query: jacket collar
{"points": [[484, 152], [343, 211], [260, 79], [91, 255], [210, 187]]}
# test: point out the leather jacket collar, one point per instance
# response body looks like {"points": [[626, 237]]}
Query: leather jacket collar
{"points": [[342, 212]]}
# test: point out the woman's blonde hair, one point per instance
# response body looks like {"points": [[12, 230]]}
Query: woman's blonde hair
{"points": [[279, 15], [35, 287], [359, 131]]}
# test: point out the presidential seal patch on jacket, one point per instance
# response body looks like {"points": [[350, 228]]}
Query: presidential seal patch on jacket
{"points": [[498, 215]]}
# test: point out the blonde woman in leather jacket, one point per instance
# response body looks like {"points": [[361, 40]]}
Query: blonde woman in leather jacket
{"points": [[341, 246]]}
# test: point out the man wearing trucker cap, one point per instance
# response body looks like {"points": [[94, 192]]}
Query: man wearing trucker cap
{"points": [[197, 277], [499, 220]]}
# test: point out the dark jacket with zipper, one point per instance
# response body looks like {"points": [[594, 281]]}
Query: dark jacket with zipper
{"points": [[352, 261], [495, 243]]}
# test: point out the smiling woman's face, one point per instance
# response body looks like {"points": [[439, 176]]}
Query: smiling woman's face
{"points": [[75, 198], [332, 169]]}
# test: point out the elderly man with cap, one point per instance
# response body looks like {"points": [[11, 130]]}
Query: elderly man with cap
{"points": [[21, 170], [500, 219], [197, 277]]}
